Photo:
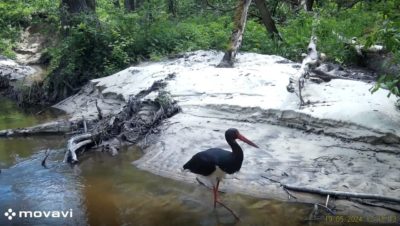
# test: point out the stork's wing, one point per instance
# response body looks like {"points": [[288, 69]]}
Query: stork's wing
{"points": [[201, 163]]}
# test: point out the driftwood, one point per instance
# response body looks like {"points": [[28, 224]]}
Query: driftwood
{"points": [[376, 205], [341, 194], [134, 122], [357, 197], [50, 128], [75, 144]]}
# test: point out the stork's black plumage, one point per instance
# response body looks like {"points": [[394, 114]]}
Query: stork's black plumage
{"points": [[214, 163]]}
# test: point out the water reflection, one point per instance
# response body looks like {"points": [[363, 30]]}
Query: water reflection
{"points": [[13, 150], [11, 116]]}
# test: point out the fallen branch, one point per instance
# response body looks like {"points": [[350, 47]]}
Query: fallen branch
{"points": [[275, 181], [50, 128], [357, 197], [341, 194], [326, 76], [376, 205], [75, 143]]}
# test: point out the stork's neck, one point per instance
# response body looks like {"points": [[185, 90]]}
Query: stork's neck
{"points": [[236, 149]]}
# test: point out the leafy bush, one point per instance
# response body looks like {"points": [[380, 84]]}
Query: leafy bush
{"points": [[111, 39]]}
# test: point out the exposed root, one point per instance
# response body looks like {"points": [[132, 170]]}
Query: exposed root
{"points": [[75, 144], [133, 123]]}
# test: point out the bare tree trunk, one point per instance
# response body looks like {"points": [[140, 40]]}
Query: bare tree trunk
{"points": [[237, 33], [267, 20]]}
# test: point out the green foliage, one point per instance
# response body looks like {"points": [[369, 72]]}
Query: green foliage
{"points": [[388, 35], [16, 15], [111, 39], [86, 52], [389, 82]]}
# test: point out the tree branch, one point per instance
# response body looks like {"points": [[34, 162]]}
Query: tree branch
{"points": [[341, 194]]}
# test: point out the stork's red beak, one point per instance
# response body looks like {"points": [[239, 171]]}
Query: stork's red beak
{"points": [[244, 139]]}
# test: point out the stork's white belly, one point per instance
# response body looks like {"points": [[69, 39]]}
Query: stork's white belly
{"points": [[212, 179]]}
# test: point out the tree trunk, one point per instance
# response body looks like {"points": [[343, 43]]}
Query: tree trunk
{"points": [[309, 5], [172, 7], [237, 33], [267, 20]]}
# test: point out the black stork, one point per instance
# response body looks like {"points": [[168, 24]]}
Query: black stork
{"points": [[214, 163]]}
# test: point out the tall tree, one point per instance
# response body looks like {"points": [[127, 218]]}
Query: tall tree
{"points": [[267, 20], [239, 25]]}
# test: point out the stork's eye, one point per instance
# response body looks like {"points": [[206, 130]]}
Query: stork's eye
{"points": [[237, 133]]}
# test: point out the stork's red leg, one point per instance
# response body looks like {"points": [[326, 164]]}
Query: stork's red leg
{"points": [[216, 190], [215, 196]]}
